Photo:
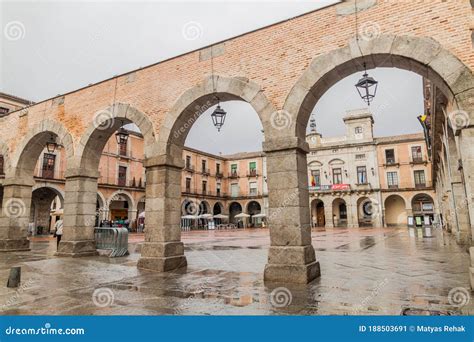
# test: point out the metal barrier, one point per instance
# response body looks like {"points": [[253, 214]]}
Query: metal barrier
{"points": [[115, 239]]}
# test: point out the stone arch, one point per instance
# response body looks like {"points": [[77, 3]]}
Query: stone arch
{"points": [[195, 101], [59, 192], [204, 207], [395, 210], [128, 195], [4, 152], [317, 212], [422, 55], [217, 208], [235, 208], [340, 210], [26, 154], [105, 123]]}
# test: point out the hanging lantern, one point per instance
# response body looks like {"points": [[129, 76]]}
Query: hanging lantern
{"points": [[122, 136], [51, 144], [218, 117], [367, 87]]}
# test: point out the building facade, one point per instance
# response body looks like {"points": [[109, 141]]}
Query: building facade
{"points": [[359, 180]]}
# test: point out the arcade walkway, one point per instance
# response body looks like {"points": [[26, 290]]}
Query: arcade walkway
{"points": [[364, 271]]}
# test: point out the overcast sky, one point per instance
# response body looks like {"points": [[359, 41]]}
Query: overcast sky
{"points": [[50, 48]]}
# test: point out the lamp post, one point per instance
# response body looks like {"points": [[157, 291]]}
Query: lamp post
{"points": [[51, 144], [367, 87], [218, 117], [122, 135]]}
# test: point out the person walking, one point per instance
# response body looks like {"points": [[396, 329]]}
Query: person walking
{"points": [[58, 233]]}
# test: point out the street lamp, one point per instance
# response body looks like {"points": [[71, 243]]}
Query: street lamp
{"points": [[51, 144], [122, 135], [218, 117], [367, 87]]}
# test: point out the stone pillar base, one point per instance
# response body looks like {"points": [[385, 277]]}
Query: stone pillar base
{"points": [[291, 264], [10, 245], [77, 248], [162, 256]]}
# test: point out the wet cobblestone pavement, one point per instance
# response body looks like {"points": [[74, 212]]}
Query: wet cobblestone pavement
{"points": [[364, 271]]}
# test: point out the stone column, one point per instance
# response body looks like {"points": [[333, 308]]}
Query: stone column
{"points": [[163, 250], [79, 214], [352, 212], [328, 215], [291, 257], [466, 143], [15, 215]]}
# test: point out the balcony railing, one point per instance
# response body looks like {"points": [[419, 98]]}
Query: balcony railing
{"points": [[252, 173], [420, 185], [393, 186], [418, 160], [206, 172], [233, 174], [189, 168], [56, 175], [219, 174], [326, 188], [122, 182]]}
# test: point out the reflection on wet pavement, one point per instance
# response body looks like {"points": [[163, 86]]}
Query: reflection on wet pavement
{"points": [[364, 271]]}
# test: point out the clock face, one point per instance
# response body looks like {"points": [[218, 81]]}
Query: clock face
{"points": [[313, 139]]}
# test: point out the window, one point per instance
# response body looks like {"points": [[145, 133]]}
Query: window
{"points": [[122, 176], [343, 211], [2, 171], [188, 185], [358, 130], [416, 153], [392, 179], [360, 156], [253, 168], [253, 189], [49, 160], [361, 175], [234, 189], [4, 111], [204, 187], [218, 189], [123, 148], [337, 176], [315, 178], [218, 169], [233, 170], [390, 156], [204, 166], [188, 162], [420, 181]]}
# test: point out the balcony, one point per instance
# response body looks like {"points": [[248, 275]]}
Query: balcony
{"points": [[418, 160], [234, 174], [393, 186], [189, 168], [391, 162], [50, 174], [363, 186], [252, 173], [122, 182], [219, 174], [206, 172], [329, 188]]}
